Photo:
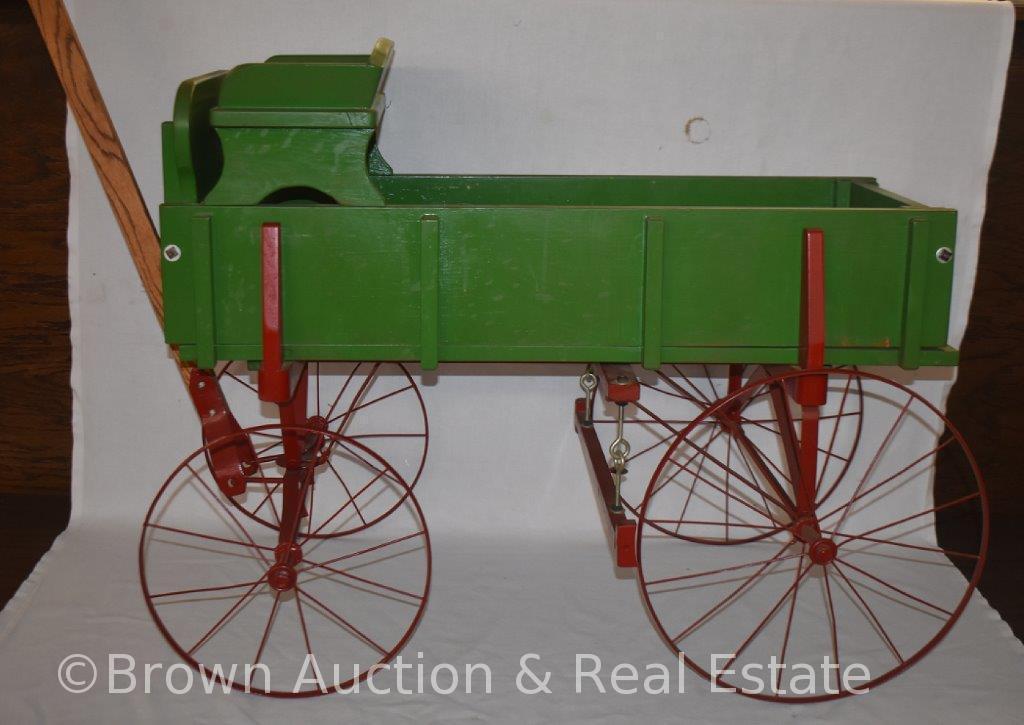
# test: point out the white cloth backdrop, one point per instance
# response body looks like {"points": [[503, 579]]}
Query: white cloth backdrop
{"points": [[907, 91]]}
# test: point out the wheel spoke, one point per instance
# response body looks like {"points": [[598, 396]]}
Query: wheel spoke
{"points": [[337, 513], [867, 472], [890, 542], [209, 537], [229, 512], [693, 484], [266, 630], [688, 461], [735, 567], [364, 580], [897, 522], [742, 479], [870, 615], [789, 617], [346, 416], [875, 487], [764, 499], [718, 488], [832, 625], [201, 590], [731, 596], [348, 493], [348, 380], [791, 591], [302, 625], [209, 634], [367, 550], [693, 522], [338, 618], [240, 381], [894, 588], [832, 438]]}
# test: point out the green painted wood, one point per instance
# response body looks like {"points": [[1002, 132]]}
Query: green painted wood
{"points": [[918, 249], [654, 276], [561, 283], [631, 269], [203, 292], [430, 242]]}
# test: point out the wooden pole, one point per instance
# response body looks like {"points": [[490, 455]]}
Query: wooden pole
{"points": [[104, 146]]}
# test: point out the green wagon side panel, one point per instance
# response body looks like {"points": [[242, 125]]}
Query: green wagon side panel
{"points": [[561, 283], [736, 275]]}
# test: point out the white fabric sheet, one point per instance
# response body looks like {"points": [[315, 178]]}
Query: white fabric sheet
{"points": [[908, 92]]}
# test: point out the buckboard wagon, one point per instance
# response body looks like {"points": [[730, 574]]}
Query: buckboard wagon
{"points": [[750, 471]]}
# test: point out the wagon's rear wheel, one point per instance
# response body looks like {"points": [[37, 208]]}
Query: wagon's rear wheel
{"points": [[377, 405], [861, 580], [675, 396], [227, 593]]}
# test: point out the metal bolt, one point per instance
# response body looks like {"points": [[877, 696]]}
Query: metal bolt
{"points": [[172, 253], [944, 254], [201, 384], [211, 412]]}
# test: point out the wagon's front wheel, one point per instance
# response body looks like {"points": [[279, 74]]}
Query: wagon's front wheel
{"points": [[853, 591], [252, 608], [375, 404]]}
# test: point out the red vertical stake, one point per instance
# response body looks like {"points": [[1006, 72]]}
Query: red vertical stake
{"points": [[811, 390], [273, 375]]}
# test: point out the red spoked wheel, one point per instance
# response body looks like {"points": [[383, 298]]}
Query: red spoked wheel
{"points": [[854, 576], [264, 609], [359, 402], [673, 398]]}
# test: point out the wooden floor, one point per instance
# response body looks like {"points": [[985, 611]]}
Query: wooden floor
{"points": [[35, 437]]}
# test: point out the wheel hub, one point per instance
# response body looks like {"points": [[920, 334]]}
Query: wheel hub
{"points": [[282, 576], [823, 551]]}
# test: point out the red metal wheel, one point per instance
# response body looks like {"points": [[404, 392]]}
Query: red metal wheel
{"points": [[672, 398], [858, 578], [227, 592], [359, 401]]}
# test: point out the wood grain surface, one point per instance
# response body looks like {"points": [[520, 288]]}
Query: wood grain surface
{"points": [[35, 392], [35, 397]]}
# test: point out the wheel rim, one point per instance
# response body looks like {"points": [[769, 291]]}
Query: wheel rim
{"points": [[883, 596], [359, 402], [673, 398], [207, 579]]}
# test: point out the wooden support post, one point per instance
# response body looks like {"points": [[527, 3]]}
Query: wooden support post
{"points": [[104, 146]]}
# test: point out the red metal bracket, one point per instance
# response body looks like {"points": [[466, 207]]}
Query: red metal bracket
{"points": [[234, 458], [622, 526], [619, 384], [275, 384]]}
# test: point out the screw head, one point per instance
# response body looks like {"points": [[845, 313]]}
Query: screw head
{"points": [[172, 252], [943, 254]]}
